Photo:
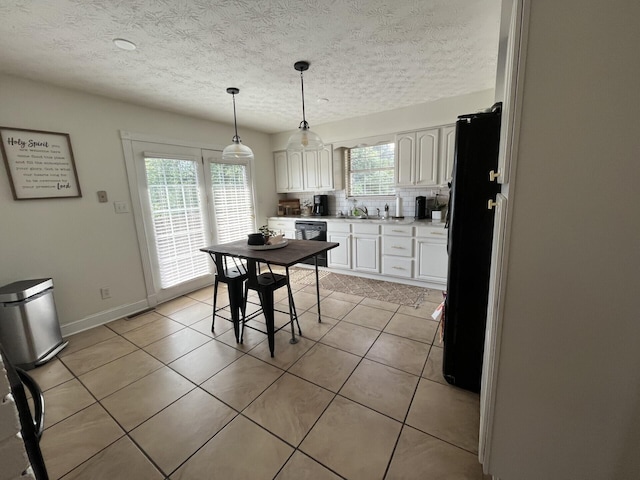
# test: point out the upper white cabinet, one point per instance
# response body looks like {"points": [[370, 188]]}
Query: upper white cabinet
{"points": [[297, 172], [417, 158], [447, 153], [424, 158], [289, 177]]}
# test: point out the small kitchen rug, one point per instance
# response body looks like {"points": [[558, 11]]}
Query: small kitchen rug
{"points": [[364, 287]]}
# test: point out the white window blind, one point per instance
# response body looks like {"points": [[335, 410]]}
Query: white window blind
{"points": [[370, 170], [177, 217], [232, 201]]}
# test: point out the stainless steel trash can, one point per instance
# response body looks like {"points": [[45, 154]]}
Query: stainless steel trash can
{"points": [[29, 328]]}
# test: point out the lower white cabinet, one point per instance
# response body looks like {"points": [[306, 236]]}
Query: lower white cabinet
{"points": [[339, 257], [286, 226], [432, 259], [366, 247], [397, 251]]}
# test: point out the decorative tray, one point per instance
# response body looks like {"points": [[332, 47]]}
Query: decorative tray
{"points": [[281, 244]]}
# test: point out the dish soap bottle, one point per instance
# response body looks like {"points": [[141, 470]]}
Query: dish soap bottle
{"points": [[386, 210]]}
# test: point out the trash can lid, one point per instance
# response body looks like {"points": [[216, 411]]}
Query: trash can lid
{"points": [[24, 289]]}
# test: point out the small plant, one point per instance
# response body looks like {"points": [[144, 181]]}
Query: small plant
{"points": [[264, 230]]}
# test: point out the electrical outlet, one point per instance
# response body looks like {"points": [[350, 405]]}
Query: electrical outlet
{"points": [[105, 292]]}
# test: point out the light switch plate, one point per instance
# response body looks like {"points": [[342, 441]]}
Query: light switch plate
{"points": [[102, 196], [121, 207]]}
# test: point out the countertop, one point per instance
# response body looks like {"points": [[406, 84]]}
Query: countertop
{"points": [[382, 221]]}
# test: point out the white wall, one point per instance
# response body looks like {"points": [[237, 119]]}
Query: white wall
{"points": [[439, 112], [568, 398], [82, 244]]}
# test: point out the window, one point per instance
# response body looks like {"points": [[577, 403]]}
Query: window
{"points": [[370, 170], [177, 216], [232, 201]]}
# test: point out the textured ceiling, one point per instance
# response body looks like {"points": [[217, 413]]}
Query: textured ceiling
{"points": [[366, 56]]}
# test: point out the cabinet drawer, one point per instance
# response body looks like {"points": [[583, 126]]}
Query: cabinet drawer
{"points": [[397, 246], [397, 230], [366, 228], [397, 266], [431, 232], [282, 224], [338, 227]]}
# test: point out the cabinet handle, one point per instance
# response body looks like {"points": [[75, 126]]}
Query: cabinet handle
{"points": [[438, 233], [397, 268], [398, 231], [491, 204], [397, 247], [493, 175]]}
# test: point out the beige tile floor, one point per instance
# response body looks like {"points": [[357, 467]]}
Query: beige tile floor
{"points": [[159, 396]]}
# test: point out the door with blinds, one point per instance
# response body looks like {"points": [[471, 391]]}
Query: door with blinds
{"points": [[188, 199]]}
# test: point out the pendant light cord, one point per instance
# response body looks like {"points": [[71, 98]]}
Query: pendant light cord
{"points": [[304, 125], [236, 139]]}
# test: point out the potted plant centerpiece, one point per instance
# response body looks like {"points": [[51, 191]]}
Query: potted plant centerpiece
{"points": [[266, 233]]}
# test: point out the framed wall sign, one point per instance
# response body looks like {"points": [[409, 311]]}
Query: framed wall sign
{"points": [[39, 164]]}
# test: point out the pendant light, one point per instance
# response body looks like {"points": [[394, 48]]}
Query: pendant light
{"points": [[303, 140], [236, 150]]}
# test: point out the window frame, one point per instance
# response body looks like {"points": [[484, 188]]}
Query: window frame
{"points": [[348, 171]]}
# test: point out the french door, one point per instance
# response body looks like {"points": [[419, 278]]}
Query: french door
{"points": [[188, 198]]}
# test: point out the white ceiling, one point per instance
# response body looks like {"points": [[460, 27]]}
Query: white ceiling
{"points": [[366, 56]]}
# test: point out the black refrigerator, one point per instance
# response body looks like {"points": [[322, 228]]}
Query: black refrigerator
{"points": [[469, 242]]}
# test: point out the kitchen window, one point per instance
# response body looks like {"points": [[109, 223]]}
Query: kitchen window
{"points": [[369, 170]]}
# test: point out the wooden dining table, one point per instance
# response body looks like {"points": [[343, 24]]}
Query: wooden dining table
{"points": [[295, 251]]}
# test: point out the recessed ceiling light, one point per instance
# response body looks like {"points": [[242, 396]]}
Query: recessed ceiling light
{"points": [[323, 100], [123, 44]]}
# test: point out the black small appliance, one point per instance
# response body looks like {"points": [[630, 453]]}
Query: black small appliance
{"points": [[421, 208], [321, 205]]}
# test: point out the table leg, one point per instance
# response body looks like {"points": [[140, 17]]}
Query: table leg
{"points": [[292, 310], [235, 305], [266, 299], [317, 288]]}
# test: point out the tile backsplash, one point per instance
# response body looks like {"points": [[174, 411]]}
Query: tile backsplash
{"points": [[339, 202]]}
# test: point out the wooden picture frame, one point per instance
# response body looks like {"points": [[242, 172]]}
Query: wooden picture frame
{"points": [[40, 164]]}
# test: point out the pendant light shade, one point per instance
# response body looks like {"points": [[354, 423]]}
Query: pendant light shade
{"points": [[304, 139], [236, 150]]}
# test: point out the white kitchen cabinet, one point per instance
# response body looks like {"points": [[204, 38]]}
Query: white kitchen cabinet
{"points": [[366, 247], [339, 257], [285, 226], [302, 172], [289, 172], [446, 153], [397, 250], [318, 169], [417, 158], [432, 260]]}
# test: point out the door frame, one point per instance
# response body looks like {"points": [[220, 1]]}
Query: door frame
{"points": [[127, 138]]}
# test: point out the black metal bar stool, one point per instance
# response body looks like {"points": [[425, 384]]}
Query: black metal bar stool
{"points": [[233, 274], [265, 284]]}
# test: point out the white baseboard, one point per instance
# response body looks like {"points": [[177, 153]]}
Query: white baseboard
{"points": [[103, 317]]}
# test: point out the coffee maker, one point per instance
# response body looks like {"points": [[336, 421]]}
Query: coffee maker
{"points": [[320, 205], [421, 208]]}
